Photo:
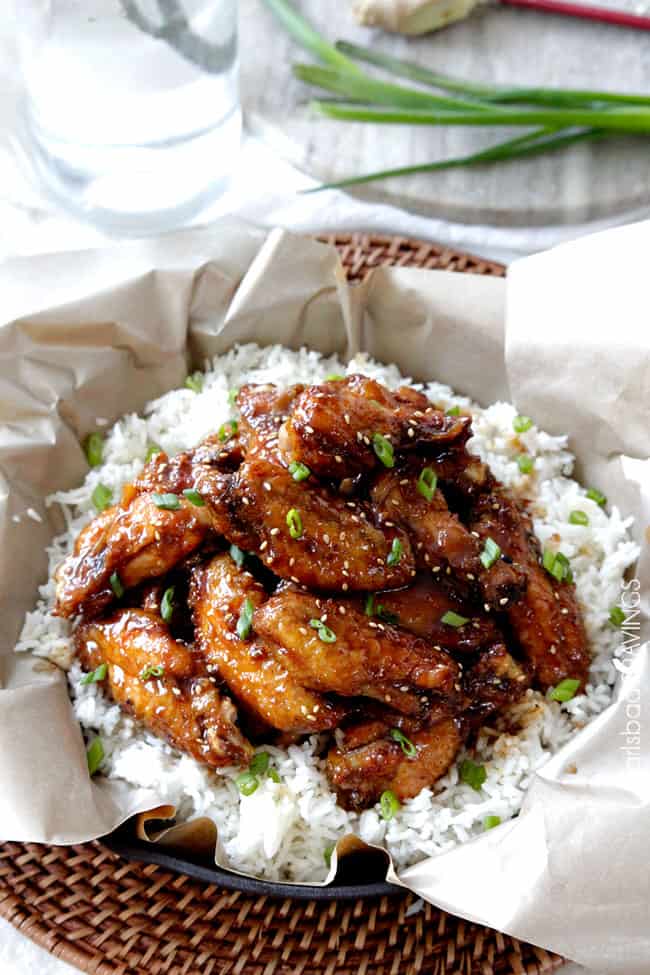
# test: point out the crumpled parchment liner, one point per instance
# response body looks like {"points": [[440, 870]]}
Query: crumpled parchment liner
{"points": [[100, 333]]}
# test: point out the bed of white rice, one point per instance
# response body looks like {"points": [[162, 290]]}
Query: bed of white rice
{"points": [[283, 830]]}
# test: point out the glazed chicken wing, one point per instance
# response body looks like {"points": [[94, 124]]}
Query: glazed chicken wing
{"points": [[353, 655], [178, 701], [495, 681], [332, 427], [546, 620], [251, 666]]}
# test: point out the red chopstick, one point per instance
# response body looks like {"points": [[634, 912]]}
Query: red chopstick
{"points": [[620, 17]]}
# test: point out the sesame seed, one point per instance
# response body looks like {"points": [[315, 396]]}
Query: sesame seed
{"points": [[292, 561], [411, 432], [345, 587], [503, 601], [326, 538], [309, 429], [388, 699], [267, 486], [486, 607], [427, 559], [245, 501], [303, 709], [565, 612], [346, 417], [366, 440], [294, 579], [342, 610], [323, 618], [552, 650], [264, 545], [471, 576], [372, 624], [338, 458], [436, 568], [404, 480], [275, 531]]}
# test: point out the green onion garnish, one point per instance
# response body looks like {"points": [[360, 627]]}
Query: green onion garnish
{"points": [[383, 448], [327, 854], [232, 396], [386, 615], [369, 608], [95, 755], [168, 502], [195, 382], [405, 743], [525, 463], [453, 619], [247, 783], [294, 521], [245, 621], [564, 691], [578, 518], [324, 632], [167, 604], [194, 497], [427, 483], [259, 763], [94, 449], [389, 804], [557, 565], [116, 586], [237, 555], [151, 672], [616, 616], [521, 423], [491, 553], [298, 471], [396, 552], [152, 450], [334, 377], [472, 774], [595, 495], [101, 497], [99, 673], [273, 775], [491, 821], [453, 411], [228, 430]]}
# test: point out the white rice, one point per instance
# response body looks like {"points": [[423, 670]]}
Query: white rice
{"points": [[283, 830]]}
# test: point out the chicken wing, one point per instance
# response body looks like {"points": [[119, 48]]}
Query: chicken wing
{"points": [[177, 701], [178, 473], [367, 761], [304, 532], [332, 427], [263, 410], [128, 543], [252, 667], [546, 620], [495, 681], [331, 645]]}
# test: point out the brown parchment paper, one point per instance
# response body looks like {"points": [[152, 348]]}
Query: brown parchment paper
{"points": [[96, 334]]}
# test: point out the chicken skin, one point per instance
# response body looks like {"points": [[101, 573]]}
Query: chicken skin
{"points": [[252, 666], [546, 620], [331, 645], [164, 685], [332, 428]]}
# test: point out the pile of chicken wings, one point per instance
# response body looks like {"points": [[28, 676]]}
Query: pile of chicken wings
{"points": [[334, 560]]}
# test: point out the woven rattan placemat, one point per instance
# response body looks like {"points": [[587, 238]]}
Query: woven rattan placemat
{"points": [[111, 917]]}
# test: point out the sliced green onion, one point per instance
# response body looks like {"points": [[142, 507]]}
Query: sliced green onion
{"points": [[116, 586], [101, 497], [195, 382], [564, 691], [557, 565], [95, 755], [327, 853], [232, 396], [228, 430], [595, 495], [294, 522], [152, 450], [472, 774], [194, 497], [491, 553], [369, 608], [298, 471], [616, 616], [396, 552], [389, 804], [151, 672], [383, 448], [405, 743], [453, 619], [167, 604], [168, 502], [99, 673], [521, 423], [525, 463], [273, 775], [427, 483], [453, 411], [491, 821], [324, 632], [259, 763], [334, 377], [94, 449], [245, 621], [237, 555], [386, 615], [578, 518], [247, 783]]}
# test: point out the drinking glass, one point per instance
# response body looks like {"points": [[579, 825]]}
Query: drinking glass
{"points": [[130, 107]]}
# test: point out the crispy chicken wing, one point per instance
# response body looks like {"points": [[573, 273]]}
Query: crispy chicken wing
{"points": [[135, 540], [369, 761], [331, 426], [182, 705], [304, 532], [263, 410], [495, 681], [354, 655], [252, 667], [546, 620]]}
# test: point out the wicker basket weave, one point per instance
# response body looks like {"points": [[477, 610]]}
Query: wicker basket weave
{"points": [[109, 917]]}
